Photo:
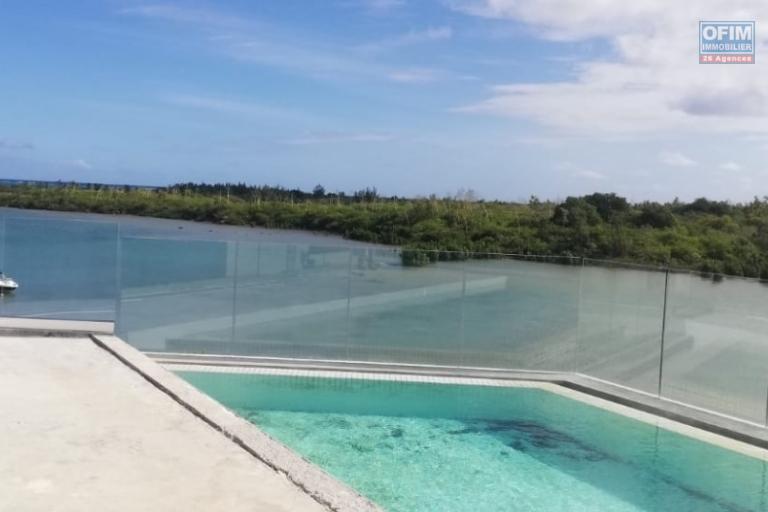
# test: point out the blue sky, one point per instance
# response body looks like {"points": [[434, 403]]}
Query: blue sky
{"points": [[507, 97]]}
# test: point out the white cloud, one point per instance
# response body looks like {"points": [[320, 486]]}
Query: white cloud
{"points": [[385, 4], [228, 106], [676, 159], [336, 137], [15, 144], [251, 40], [378, 5], [416, 75], [267, 44], [211, 103], [413, 37], [81, 164], [238, 107], [179, 14], [652, 84], [577, 171], [592, 175], [730, 166], [571, 19]]}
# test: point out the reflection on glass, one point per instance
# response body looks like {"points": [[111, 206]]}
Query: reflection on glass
{"points": [[177, 295], [291, 301], [66, 269], [620, 323], [715, 346], [520, 314], [402, 314]]}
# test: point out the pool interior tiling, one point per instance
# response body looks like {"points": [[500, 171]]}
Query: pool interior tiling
{"points": [[436, 446]]}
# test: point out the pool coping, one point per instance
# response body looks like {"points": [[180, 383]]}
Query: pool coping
{"points": [[727, 432], [321, 486]]}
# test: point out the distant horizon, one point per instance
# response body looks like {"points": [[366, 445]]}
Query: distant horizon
{"points": [[511, 98]]}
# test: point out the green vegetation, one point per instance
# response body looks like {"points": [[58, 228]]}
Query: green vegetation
{"points": [[710, 236]]}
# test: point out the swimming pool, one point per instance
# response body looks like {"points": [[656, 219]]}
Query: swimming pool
{"points": [[413, 446]]}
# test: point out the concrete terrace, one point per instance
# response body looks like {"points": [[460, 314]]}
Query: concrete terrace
{"points": [[86, 425], [90, 423]]}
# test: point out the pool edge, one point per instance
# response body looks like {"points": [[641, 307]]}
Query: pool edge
{"points": [[322, 487], [729, 433]]}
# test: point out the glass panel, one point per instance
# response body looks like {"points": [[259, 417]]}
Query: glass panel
{"points": [[620, 322], [177, 295], [715, 345], [2, 263], [292, 301], [66, 269], [405, 314], [365, 304], [520, 313]]}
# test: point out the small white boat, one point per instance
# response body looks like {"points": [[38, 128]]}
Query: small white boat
{"points": [[7, 284]]}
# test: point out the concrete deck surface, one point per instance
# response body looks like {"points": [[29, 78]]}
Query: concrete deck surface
{"points": [[81, 431]]}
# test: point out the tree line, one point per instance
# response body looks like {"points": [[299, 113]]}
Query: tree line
{"points": [[710, 236]]}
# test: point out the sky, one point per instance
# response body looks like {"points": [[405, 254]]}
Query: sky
{"points": [[509, 98]]}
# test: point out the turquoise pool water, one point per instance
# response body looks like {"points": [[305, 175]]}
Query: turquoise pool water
{"points": [[414, 447]]}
